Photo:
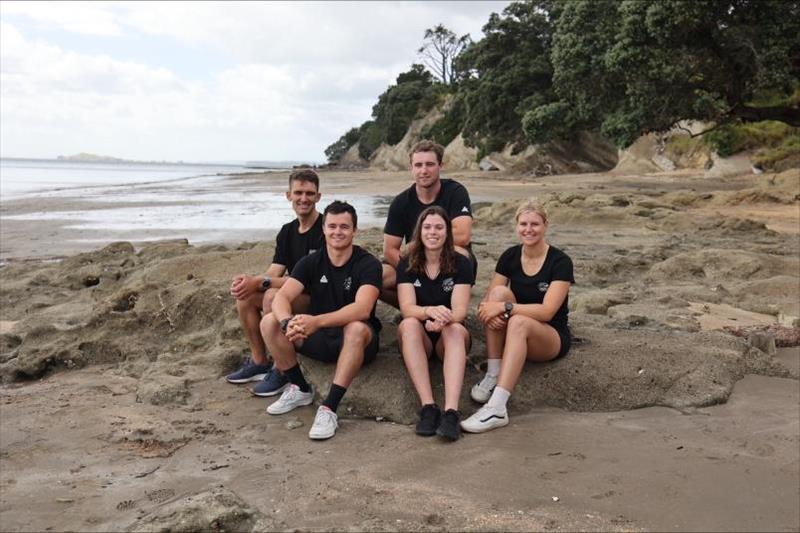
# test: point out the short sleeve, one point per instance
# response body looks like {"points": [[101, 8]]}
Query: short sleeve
{"points": [[281, 245], [402, 271], [370, 272], [562, 269], [463, 271], [460, 204], [504, 263], [394, 220], [303, 270]]}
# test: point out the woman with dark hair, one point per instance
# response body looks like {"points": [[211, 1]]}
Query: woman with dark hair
{"points": [[433, 288]]}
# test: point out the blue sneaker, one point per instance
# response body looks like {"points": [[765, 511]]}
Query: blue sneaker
{"points": [[249, 372], [272, 384]]}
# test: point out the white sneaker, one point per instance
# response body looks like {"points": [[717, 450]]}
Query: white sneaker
{"points": [[291, 398], [484, 419], [482, 391], [325, 424]]}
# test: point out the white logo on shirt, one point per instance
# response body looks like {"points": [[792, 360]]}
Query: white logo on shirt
{"points": [[447, 285], [323, 279], [465, 209], [417, 283], [543, 286], [348, 282], [311, 251]]}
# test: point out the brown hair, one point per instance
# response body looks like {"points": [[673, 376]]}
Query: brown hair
{"points": [[428, 146], [415, 252], [305, 174]]}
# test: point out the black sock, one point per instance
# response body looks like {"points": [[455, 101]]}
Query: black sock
{"points": [[334, 397], [295, 375]]}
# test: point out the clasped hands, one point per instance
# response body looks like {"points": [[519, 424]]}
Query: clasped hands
{"points": [[301, 327], [491, 314], [438, 316]]}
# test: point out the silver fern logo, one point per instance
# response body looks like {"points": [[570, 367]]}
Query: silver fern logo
{"points": [[447, 285], [543, 286]]}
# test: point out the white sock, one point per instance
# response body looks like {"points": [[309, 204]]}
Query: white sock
{"points": [[499, 398], [493, 367]]}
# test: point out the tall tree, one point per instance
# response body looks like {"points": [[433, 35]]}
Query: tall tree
{"points": [[635, 66], [509, 70], [439, 49]]}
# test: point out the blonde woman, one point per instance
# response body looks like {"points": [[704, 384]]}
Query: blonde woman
{"points": [[525, 315], [433, 288]]}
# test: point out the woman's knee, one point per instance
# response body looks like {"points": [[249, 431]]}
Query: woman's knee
{"points": [[455, 331], [501, 293], [409, 327], [521, 324]]}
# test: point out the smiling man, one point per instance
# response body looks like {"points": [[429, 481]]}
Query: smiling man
{"points": [[254, 294], [344, 282], [429, 189]]}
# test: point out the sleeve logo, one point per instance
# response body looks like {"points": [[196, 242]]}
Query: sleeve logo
{"points": [[543, 286]]}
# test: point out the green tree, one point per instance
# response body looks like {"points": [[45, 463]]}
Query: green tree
{"points": [[636, 66], [509, 70]]}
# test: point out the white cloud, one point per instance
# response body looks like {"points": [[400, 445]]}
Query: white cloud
{"points": [[300, 74], [89, 18]]}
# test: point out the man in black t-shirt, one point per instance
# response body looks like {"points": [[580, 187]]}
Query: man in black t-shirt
{"points": [[344, 282], [254, 294], [428, 189]]}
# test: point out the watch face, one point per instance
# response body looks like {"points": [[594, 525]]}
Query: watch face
{"points": [[509, 306]]}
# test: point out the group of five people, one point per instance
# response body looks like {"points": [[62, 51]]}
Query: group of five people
{"points": [[318, 298]]}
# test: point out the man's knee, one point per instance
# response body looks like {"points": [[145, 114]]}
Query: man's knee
{"points": [[501, 293], [269, 325], [357, 333], [266, 301]]}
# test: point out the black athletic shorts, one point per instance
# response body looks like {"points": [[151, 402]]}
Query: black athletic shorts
{"points": [[326, 344], [566, 341]]}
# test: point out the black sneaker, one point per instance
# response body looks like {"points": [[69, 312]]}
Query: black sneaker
{"points": [[429, 417], [450, 428]]}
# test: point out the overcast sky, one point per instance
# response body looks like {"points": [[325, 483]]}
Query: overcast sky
{"points": [[203, 81]]}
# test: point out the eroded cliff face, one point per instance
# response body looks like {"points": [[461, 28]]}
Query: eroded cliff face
{"points": [[588, 153]]}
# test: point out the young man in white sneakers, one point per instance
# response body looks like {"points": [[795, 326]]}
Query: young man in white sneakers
{"points": [[344, 282], [429, 189], [254, 294]]}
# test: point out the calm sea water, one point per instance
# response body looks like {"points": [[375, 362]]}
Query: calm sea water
{"points": [[149, 202]]}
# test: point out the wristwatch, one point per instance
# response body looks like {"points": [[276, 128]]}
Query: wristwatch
{"points": [[265, 283], [285, 323], [508, 306]]}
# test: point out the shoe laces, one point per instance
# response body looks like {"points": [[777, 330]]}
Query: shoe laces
{"points": [[325, 416], [488, 381], [290, 393]]}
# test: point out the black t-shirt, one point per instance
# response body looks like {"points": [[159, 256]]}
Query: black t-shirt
{"points": [[406, 207], [557, 266], [436, 291], [332, 287], [291, 245]]}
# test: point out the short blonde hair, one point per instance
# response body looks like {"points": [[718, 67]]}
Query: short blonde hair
{"points": [[531, 205]]}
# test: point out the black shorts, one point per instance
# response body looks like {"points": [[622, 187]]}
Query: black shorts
{"points": [[566, 341], [326, 344]]}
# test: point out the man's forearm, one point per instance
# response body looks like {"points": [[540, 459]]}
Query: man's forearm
{"points": [[353, 312]]}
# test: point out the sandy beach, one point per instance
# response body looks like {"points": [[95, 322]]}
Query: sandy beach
{"points": [[677, 410]]}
